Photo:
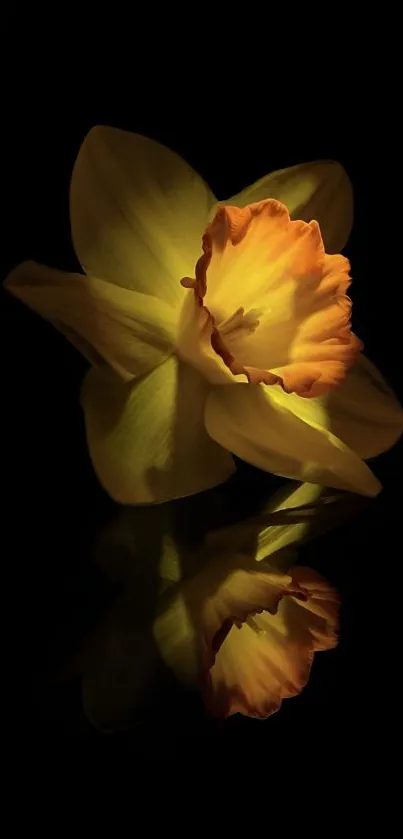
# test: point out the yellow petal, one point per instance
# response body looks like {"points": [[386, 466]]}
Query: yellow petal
{"points": [[320, 190], [364, 411], [147, 440], [280, 433], [138, 212], [269, 657], [133, 332]]}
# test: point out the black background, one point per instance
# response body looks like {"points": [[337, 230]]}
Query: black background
{"points": [[232, 130]]}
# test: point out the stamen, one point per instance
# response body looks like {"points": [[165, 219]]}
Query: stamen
{"points": [[233, 322], [239, 320]]}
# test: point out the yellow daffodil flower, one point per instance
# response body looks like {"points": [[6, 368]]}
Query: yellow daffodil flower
{"points": [[212, 328]]}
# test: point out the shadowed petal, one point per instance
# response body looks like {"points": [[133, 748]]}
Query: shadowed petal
{"points": [[130, 331], [147, 440], [320, 190], [364, 412], [280, 433]]}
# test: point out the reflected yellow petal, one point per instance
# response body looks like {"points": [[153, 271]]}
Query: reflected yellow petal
{"points": [[295, 513]]}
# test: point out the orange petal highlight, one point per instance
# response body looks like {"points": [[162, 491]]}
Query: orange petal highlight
{"points": [[253, 250], [257, 258]]}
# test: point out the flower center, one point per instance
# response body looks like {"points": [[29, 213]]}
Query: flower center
{"points": [[256, 254], [224, 330]]}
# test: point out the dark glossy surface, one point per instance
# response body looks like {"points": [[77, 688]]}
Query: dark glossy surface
{"points": [[54, 508]]}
